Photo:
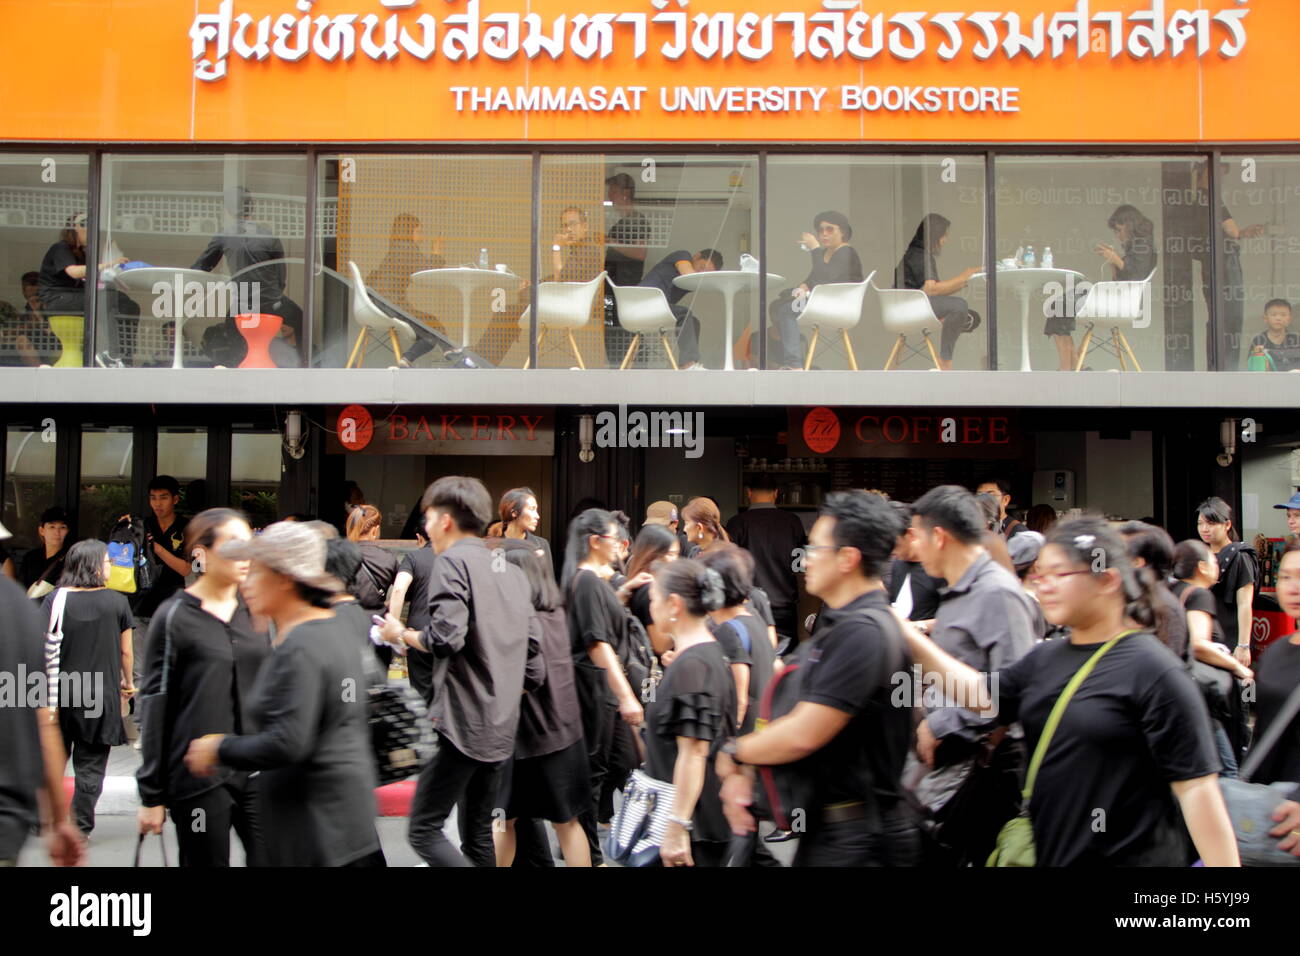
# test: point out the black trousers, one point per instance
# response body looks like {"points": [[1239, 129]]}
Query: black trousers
{"points": [[951, 310], [891, 840], [13, 834], [532, 844], [786, 621], [598, 724], [203, 824], [448, 780], [89, 761]]}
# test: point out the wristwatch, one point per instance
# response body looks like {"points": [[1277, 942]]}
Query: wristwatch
{"points": [[686, 825]]}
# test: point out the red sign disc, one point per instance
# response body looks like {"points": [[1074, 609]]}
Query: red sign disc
{"points": [[356, 427], [821, 430]]}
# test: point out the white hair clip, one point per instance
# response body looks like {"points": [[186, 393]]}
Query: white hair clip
{"points": [[1084, 541]]}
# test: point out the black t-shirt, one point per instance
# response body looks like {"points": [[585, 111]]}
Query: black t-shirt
{"points": [[758, 605], [21, 767], [744, 640], [166, 581], [664, 272], [35, 566], [696, 699], [60, 293], [639, 605], [1199, 599], [1137, 724], [91, 654], [925, 589], [844, 266], [1236, 570], [848, 665], [594, 614], [771, 536], [1139, 256], [549, 719], [915, 268], [374, 577], [1285, 356], [632, 230], [1173, 630], [419, 565], [1278, 675]]}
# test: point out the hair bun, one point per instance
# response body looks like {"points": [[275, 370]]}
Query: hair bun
{"points": [[711, 593]]}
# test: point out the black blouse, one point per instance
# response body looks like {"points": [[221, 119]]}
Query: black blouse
{"points": [[844, 266], [90, 655]]}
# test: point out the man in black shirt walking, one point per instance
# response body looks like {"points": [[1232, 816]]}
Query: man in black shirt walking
{"points": [[774, 538], [485, 640], [847, 738]]}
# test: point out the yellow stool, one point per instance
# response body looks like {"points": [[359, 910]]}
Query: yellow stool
{"points": [[71, 331]]}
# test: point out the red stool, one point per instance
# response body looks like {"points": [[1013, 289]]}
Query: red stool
{"points": [[258, 329]]}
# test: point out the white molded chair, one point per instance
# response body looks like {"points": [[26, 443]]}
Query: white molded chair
{"points": [[1115, 303], [563, 305], [905, 311], [642, 311], [834, 305], [373, 319]]}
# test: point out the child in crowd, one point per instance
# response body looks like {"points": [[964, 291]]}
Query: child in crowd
{"points": [[1281, 345]]}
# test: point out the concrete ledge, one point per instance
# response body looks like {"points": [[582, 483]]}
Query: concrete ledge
{"points": [[648, 387]]}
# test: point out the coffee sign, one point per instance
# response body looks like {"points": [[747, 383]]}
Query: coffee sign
{"points": [[901, 433], [442, 430]]}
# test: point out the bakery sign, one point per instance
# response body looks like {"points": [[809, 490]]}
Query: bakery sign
{"points": [[900, 433], [440, 430]]}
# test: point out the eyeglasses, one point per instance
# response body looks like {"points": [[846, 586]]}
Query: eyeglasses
{"points": [[1054, 577]]}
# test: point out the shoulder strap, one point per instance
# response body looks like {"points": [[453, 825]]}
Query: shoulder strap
{"points": [[743, 633], [54, 647], [1271, 736], [167, 643], [1059, 708]]}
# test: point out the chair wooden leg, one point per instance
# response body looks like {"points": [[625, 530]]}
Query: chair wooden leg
{"points": [[1119, 352], [1083, 348], [848, 347], [663, 337], [893, 353], [576, 354], [934, 356], [812, 348], [541, 337], [631, 351], [397, 348], [1131, 357], [356, 349]]}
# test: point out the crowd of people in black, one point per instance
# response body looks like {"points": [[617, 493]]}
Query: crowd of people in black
{"points": [[965, 679]]}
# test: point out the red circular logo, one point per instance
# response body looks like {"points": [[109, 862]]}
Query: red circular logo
{"points": [[821, 430], [356, 428]]}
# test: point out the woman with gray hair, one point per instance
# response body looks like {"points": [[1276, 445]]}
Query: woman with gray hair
{"points": [[87, 660], [317, 773]]}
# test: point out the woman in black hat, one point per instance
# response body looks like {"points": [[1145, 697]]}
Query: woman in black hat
{"points": [[833, 260], [918, 270]]}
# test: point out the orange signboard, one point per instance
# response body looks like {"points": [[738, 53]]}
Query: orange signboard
{"points": [[939, 71]]}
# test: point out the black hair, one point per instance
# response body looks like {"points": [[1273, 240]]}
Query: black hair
{"points": [[55, 513], [761, 482], [1139, 225], [712, 255], [929, 231], [84, 566], [992, 509], [735, 566], [1090, 540], [513, 503], [1188, 554], [835, 219], [954, 509], [201, 531], [465, 499], [1217, 511], [541, 580], [1277, 304], [1004, 486], [31, 278], [343, 561], [316, 597], [653, 541], [165, 483], [700, 588], [592, 521], [1041, 518], [865, 521], [1153, 545]]}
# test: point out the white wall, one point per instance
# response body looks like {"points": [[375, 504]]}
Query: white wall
{"points": [[1265, 482]]}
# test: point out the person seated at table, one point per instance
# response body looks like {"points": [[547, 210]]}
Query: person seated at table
{"points": [[682, 263], [61, 282], [391, 280], [27, 336], [918, 270], [833, 260], [245, 244]]}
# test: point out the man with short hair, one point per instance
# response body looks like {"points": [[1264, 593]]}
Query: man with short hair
{"points": [[484, 637], [774, 538], [913, 593], [682, 263], [844, 731], [1000, 489]]}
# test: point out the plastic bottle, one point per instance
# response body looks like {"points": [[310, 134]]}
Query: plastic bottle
{"points": [[1030, 260], [1020, 255], [483, 259], [1048, 261]]}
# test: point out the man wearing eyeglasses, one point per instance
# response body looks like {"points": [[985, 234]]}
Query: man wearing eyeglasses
{"points": [[984, 620]]}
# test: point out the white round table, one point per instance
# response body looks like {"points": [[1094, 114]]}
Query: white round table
{"points": [[729, 283], [1024, 283], [466, 281], [146, 278]]}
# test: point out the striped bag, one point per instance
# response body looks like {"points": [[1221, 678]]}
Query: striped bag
{"points": [[638, 829]]}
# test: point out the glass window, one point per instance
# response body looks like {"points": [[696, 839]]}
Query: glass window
{"points": [[208, 242], [183, 454], [912, 223], [1130, 258], [105, 479], [1261, 270], [42, 258], [29, 482], [442, 246], [256, 469], [645, 221]]}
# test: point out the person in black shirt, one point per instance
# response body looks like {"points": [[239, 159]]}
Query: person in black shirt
{"points": [[391, 279], [774, 538], [485, 640], [682, 263], [45, 561], [743, 636], [1281, 346], [412, 581], [625, 253], [1151, 547], [309, 741], [653, 543], [691, 714], [378, 566], [1000, 488], [1232, 303], [520, 518], [911, 590], [844, 734], [1134, 745], [1238, 574], [89, 667], [918, 270], [199, 675], [62, 282], [833, 260]]}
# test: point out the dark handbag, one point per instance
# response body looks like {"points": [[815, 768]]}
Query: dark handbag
{"points": [[139, 848], [1216, 684], [401, 735]]}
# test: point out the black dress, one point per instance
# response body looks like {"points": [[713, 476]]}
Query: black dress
{"points": [[696, 699], [90, 656]]}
